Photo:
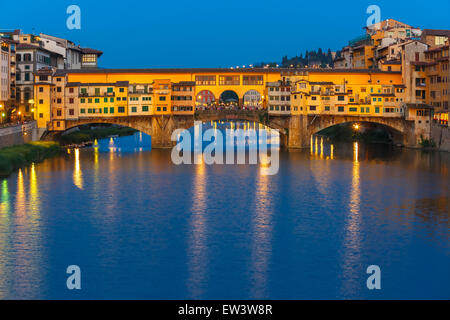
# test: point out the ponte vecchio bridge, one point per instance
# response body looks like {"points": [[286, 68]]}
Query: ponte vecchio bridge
{"points": [[118, 96], [295, 131]]}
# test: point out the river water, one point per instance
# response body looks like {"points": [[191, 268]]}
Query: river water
{"points": [[140, 227]]}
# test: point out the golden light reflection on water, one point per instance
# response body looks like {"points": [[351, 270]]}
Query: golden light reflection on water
{"points": [[197, 247], [5, 231], [320, 149], [77, 174], [351, 258], [21, 271], [261, 237]]}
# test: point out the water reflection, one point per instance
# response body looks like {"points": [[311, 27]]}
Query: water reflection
{"points": [[77, 174], [140, 219], [21, 251], [261, 247], [197, 246], [5, 245], [352, 242]]}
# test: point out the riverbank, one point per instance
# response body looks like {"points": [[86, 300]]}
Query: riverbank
{"points": [[87, 134], [18, 156]]}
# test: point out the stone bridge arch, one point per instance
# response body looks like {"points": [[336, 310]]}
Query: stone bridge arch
{"points": [[160, 128], [401, 131]]}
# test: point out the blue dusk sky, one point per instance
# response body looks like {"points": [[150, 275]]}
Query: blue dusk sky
{"points": [[208, 33]]}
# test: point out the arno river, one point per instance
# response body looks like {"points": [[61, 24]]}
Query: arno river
{"points": [[141, 227]]}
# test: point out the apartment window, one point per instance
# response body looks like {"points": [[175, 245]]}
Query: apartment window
{"points": [[327, 108], [97, 100], [58, 113], [253, 80], [71, 112], [70, 90], [340, 109], [111, 99], [89, 58], [121, 89], [89, 100], [205, 80], [41, 115], [121, 109], [41, 89], [352, 109], [105, 99], [109, 90], [58, 100], [105, 109], [377, 109], [229, 80], [133, 109], [111, 110], [41, 101], [162, 98], [158, 108], [82, 100], [82, 110], [312, 108], [97, 91], [341, 98], [144, 108], [164, 108]]}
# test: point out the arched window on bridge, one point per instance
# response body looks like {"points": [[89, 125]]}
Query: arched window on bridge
{"points": [[205, 99], [229, 99], [252, 100]]}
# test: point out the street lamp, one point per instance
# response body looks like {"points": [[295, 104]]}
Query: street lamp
{"points": [[356, 126]]}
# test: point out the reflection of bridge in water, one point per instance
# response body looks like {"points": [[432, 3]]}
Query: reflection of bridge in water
{"points": [[295, 130]]}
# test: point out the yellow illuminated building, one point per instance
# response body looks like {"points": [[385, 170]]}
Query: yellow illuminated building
{"points": [[98, 93], [350, 92]]}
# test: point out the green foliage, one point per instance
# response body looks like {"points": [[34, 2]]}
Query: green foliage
{"points": [[263, 117], [87, 134], [427, 143], [310, 58], [12, 158]]}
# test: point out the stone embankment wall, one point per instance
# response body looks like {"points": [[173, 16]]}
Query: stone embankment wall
{"points": [[18, 134], [441, 136]]}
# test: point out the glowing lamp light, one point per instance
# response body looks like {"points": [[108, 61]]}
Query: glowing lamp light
{"points": [[356, 126]]}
